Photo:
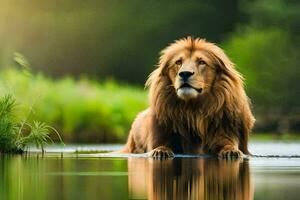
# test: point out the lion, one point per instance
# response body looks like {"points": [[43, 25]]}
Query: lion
{"points": [[198, 105]]}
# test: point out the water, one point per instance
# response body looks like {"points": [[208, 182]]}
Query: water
{"points": [[63, 174]]}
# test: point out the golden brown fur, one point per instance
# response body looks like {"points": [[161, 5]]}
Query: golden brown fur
{"points": [[211, 114]]}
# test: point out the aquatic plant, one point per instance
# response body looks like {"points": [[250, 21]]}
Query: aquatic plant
{"points": [[16, 135], [8, 128]]}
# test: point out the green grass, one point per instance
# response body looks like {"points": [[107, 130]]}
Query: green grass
{"points": [[15, 134], [286, 137], [8, 129], [82, 110]]}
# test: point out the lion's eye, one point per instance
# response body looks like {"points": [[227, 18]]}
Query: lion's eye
{"points": [[178, 62], [201, 62]]}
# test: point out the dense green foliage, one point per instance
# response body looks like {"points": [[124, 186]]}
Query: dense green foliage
{"points": [[16, 134], [83, 110], [269, 63], [266, 50]]}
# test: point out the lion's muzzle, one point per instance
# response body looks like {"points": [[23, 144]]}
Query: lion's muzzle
{"points": [[184, 75]]}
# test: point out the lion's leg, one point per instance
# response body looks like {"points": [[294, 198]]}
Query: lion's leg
{"points": [[146, 135], [162, 152], [226, 147], [229, 152], [161, 143]]}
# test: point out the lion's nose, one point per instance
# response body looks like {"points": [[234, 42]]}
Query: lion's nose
{"points": [[185, 75]]}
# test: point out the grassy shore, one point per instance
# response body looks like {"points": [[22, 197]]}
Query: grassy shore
{"points": [[286, 137], [81, 110]]}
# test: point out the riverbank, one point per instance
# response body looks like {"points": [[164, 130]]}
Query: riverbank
{"points": [[265, 137]]}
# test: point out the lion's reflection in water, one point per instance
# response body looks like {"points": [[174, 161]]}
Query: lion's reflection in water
{"points": [[189, 178]]}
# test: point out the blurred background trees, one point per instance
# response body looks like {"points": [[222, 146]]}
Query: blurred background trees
{"points": [[266, 50], [106, 39], [117, 40]]}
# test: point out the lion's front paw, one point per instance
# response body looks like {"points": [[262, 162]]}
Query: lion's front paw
{"points": [[161, 152], [230, 154]]}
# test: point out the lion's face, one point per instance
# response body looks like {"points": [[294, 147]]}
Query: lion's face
{"points": [[192, 73], [194, 68]]}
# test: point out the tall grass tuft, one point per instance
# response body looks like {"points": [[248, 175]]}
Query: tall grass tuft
{"points": [[15, 135], [8, 128]]}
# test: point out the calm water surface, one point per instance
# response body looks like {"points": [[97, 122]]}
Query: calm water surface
{"points": [[90, 175]]}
